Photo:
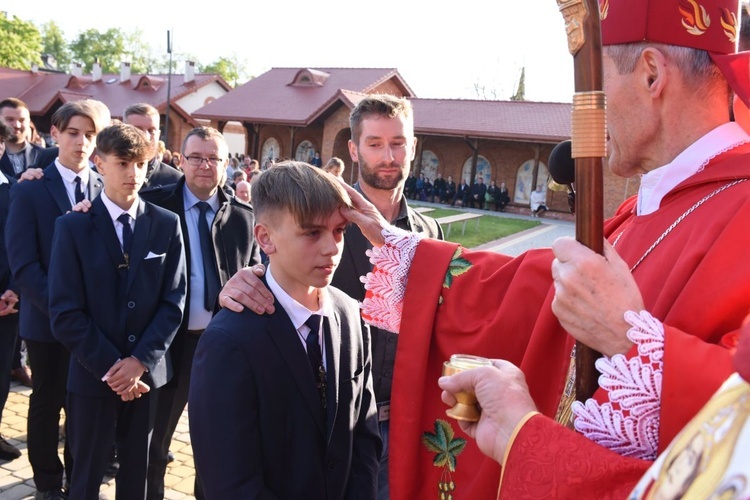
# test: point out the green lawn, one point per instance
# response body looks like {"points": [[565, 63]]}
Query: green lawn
{"points": [[491, 227]]}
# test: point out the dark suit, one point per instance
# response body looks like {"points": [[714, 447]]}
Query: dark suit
{"points": [[34, 207], [478, 190], [261, 432], [234, 248], [46, 157], [9, 323], [462, 193], [355, 263], [160, 174], [7, 167], [104, 311]]}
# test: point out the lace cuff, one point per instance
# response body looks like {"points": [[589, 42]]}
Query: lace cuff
{"points": [[386, 284], [628, 423]]}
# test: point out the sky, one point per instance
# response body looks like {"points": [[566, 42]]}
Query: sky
{"points": [[441, 52]]}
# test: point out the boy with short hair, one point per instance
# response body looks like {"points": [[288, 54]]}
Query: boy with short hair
{"points": [[297, 414], [117, 286], [34, 207]]}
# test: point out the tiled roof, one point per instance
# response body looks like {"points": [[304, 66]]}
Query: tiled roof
{"points": [[41, 90], [271, 97], [512, 120]]}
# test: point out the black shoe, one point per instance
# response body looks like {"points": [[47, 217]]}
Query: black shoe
{"points": [[170, 457], [50, 495], [8, 451]]}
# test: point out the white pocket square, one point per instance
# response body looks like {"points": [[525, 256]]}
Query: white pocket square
{"points": [[152, 255]]}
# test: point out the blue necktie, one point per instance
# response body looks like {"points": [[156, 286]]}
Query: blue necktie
{"points": [[127, 233], [211, 282], [79, 196], [314, 355]]}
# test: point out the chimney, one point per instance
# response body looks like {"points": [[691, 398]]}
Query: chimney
{"points": [[124, 72], [76, 70], [35, 69], [96, 71], [189, 72]]}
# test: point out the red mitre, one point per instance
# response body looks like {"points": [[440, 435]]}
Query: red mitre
{"points": [[710, 25]]}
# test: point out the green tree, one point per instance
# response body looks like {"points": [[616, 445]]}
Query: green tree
{"points": [[54, 44], [142, 59], [109, 47], [520, 93], [230, 68], [21, 43]]}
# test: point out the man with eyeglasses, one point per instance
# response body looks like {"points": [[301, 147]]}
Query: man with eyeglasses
{"points": [[218, 232]]}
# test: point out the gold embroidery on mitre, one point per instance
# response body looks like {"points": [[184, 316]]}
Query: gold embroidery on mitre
{"points": [[694, 17], [730, 23], [603, 9]]}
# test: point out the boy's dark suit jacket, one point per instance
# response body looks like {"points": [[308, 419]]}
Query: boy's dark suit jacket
{"points": [[256, 422], [232, 234], [34, 207], [101, 310]]}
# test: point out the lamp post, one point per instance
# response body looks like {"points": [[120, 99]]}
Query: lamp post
{"points": [[169, 90]]}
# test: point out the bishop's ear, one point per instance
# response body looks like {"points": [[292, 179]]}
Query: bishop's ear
{"points": [[653, 67]]}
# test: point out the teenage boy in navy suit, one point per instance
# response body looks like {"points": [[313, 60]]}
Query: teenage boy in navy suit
{"points": [[34, 207], [281, 405], [117, 284]]}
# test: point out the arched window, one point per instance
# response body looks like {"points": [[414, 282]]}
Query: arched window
{"points": [[269, 153], [524, 181], [484, 169], [305, 152], [429, 164]]}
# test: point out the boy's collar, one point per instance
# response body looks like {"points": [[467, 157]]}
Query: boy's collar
{"points": [[296, 311]]}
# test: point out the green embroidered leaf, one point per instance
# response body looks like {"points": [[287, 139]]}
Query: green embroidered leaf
{"points": [[456, 446], [441, 460], [431, 442], [440, 433], [451, 463], [447, 430], [444, 444], [457, 267]]}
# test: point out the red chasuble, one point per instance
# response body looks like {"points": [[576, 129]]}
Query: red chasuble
{"points": [[695, 280]]}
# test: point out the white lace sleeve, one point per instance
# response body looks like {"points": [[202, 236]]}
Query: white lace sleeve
{"points": [[629, 422], [386, 283]]}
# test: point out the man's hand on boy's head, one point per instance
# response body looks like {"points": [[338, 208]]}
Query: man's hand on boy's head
{"points": [[245, 289], [82, 206], [366, 216], [31, 174]]}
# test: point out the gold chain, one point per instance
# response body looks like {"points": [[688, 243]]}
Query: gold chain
{"points": [[676, 222]]}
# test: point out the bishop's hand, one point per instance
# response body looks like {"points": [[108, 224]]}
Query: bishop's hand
{"points": [[592, 294]]}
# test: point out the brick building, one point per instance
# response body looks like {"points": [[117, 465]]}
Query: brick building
{"points": [[293, 112]]}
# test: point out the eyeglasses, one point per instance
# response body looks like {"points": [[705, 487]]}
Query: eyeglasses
{"points": [[197, 161]]}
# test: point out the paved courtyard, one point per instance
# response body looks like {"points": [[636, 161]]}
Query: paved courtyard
{"points": [[16, 477]]}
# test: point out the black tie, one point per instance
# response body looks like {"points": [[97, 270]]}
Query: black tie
{"points": [[210, 275], [127, 233], [79, 192], [315, 322]]}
